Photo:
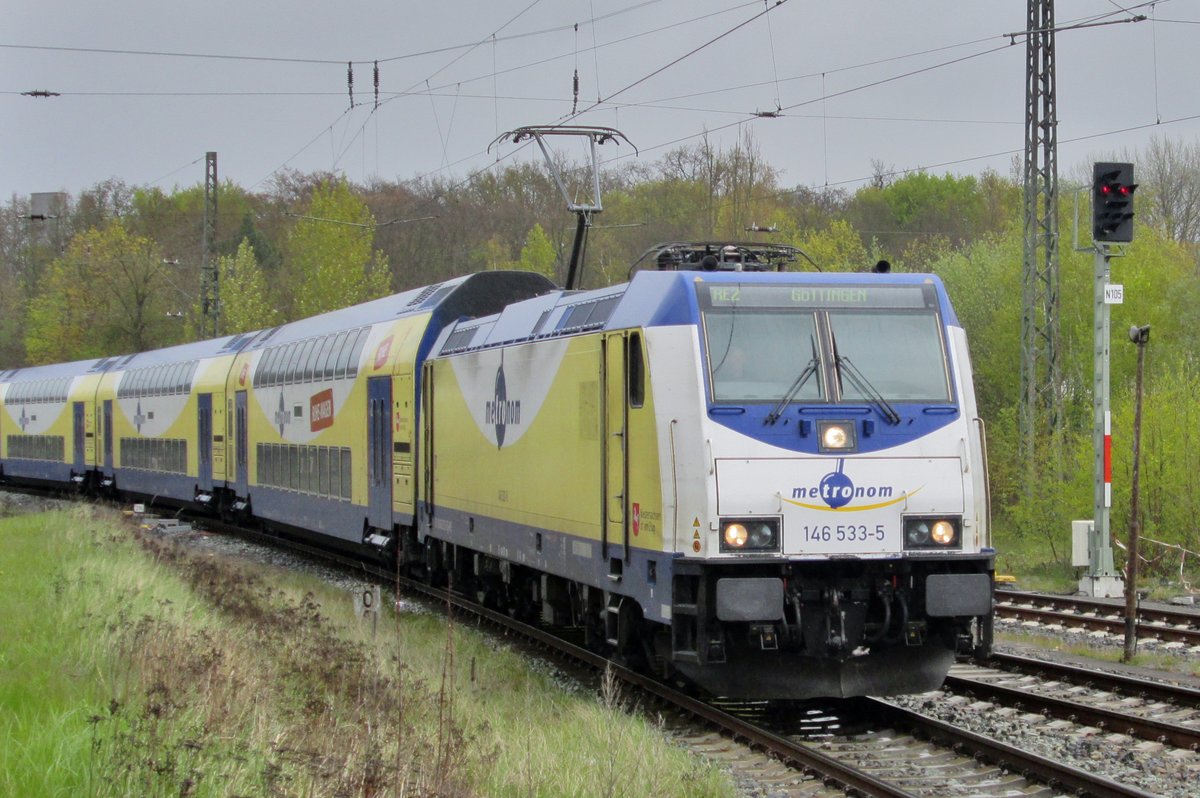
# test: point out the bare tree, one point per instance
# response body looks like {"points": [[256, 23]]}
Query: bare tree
{"points": [[1169, 172]]}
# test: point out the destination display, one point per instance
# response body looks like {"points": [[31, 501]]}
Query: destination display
{"points": [[726, 295]]}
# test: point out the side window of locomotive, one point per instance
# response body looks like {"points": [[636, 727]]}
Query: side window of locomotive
{"points": [[636, 365], [900, 353]]}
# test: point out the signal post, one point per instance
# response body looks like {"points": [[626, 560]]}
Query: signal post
{"points": [[1112, 223]]}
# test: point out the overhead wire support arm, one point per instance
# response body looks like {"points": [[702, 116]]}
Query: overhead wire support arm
{"points": [[595, 136]]}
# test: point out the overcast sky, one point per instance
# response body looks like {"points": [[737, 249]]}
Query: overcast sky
{"points": [[908, 83]]}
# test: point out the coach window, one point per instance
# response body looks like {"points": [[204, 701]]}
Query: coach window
{"points": [[309, 358], [346, 475], [637, 371], [344, 355], [295, 349], [304, 366], [277, 363], [321, 370], [331, 358], [262, 370], [356, 355], [281, 364], [271, 376], [179, 378]]}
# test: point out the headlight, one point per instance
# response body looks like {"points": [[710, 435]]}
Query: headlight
{"points": [[750, 534], [933, 533], [943, 533], [736, 536], [836, 436]]}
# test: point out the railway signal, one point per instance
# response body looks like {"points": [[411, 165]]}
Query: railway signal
{"points": [[1112, 202]]}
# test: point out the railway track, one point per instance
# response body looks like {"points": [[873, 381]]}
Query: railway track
{"points": [[873, 747], [1101, 615], [1160, 713], [864, 747]]}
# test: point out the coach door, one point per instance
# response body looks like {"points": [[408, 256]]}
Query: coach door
{"points": [[204, 428], [106, 425], [615, 470], [79, 430], [404, 486], [379, 452], [242, 435]]}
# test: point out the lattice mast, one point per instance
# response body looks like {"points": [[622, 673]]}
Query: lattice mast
{"points": [[1041, 378], [210, 297]]}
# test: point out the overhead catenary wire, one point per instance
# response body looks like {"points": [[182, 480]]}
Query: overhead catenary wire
{"points": [[614, 103]]}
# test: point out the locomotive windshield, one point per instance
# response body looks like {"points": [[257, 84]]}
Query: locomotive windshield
{"points": [[757, 355], [761, 340]]}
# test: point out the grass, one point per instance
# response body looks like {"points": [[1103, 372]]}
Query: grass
{"points": [[1160, 661], [1030, 560], [130, 666]]}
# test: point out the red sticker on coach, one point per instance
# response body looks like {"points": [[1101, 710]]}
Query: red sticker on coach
{"points": [[320, 410]]}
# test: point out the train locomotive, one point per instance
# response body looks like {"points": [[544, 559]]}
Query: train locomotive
{"points": [[767, 484]]}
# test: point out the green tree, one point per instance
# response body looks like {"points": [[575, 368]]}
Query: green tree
{"points": [[331, 255], [538, 254], [837, 248], [109, 293], [245, 301], [12, 315]]}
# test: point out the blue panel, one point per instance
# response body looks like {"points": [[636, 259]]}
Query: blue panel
{"points": [[157, 485], [796, 428], [323, 515], [37, 469], [558, 555]]}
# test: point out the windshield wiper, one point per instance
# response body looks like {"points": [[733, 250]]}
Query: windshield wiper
{"points": [[804, 377], [860, 382]]}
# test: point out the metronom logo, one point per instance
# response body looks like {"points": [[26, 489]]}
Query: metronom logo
{"points": [[501, 411], [836, 490]]}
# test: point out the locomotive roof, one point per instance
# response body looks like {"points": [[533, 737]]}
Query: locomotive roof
{"points": [[651, 298]]}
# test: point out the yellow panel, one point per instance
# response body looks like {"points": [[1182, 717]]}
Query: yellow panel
{"points": [[550, 476]]}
